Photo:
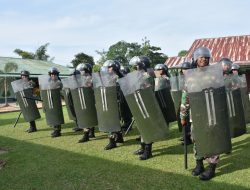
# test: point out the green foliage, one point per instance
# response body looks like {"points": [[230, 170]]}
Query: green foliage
{"points": [[40, 53], [182, 53], [96, 68], [37, 161], [24, 54], [103, 56], [82, 58], [124, 51]]}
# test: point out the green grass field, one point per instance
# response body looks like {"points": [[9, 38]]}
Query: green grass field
{"points": [[38, 162]]}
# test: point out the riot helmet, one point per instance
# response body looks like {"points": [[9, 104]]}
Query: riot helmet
{"points": [[201, 52], [125, 69], [75, 72], [235, 67], [25, 73], [54, 70], [112, 63], [186, 65], [161, 66], [86, 67], [226, 65], [140, 62]]}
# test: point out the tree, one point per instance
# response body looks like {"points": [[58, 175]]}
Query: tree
{"points": [[82, 58], [182, 53], [124, 51], [5, 82], [40, 53], [24, 54]]}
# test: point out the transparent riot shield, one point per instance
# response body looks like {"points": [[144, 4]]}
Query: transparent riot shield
{"points": [[22, 89], [144, 106], [235, 107], [163, 96], [83, 100], [245, 98], [208, 104], [52, 105], [105, 90], [68, 98]]}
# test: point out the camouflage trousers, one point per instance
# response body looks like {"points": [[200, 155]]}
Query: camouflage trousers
{"points": [[211, 160]]}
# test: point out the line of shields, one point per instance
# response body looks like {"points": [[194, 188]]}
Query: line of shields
{"points": [[154, 107]]}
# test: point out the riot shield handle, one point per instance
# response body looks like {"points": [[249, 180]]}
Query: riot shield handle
{"points": [[17, 119], [185, 146], [130, 125], [32, 98]]}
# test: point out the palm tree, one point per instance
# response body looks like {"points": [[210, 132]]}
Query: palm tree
{"points": [[5, 82]]}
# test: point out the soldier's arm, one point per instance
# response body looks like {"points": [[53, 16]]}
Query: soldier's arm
{"points": [[184, 108]]}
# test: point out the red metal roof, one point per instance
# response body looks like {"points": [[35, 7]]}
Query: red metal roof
{"points": [[236, 48]]}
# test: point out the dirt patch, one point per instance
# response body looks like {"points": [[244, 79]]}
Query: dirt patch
{"points": [[3, 150]]}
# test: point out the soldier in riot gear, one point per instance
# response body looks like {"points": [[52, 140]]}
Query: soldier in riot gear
{"points": [[162, 92], [69, 102], [113, 67], [184, 112], [199, 82], [50, 86], [24, 76], [88, 132], [142, 63], [23, 89], [235, 69], [244, 92], [234, 98]]}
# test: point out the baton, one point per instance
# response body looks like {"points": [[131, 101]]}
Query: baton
{"points": [[130, 125], [185, 146], [31, 98], [17, 119]]}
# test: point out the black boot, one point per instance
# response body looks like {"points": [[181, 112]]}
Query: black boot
{"points": [[56, 132], [209, 173], [199, 168], [112, 143], [140, 150], [92, 132], [147, 152], [85, 137], [32, 127], [119, 138]]}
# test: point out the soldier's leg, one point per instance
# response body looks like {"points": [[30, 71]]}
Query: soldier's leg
{"points": [[147, 152], [85, 137], [92, 132], [57, 131], [187, 134], [112, 142], [32, 127], [209, 173], [199, 168]]}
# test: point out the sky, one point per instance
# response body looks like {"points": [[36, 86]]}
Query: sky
{"points": [[85, 26]]}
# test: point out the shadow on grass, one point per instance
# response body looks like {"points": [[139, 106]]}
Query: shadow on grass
{"points": [[33, 166], [237, 160]]}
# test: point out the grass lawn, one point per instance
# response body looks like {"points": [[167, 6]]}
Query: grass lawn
{"points": [[38, 162]]}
